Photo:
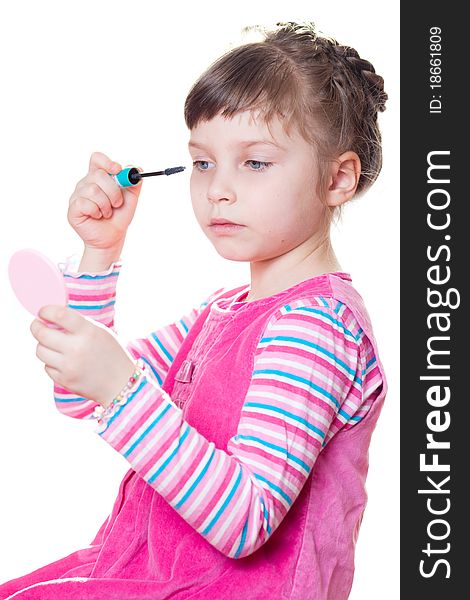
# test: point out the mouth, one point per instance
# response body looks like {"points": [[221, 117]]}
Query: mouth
{"points": [[222, 222], [224, 227]]}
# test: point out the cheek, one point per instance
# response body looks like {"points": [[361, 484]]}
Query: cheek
{"points": [[281, 205], [192, 187], [196, 194], [276, 219], [293, 213]]}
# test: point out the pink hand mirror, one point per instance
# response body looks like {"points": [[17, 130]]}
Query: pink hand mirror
{"points": [[36, 281]]}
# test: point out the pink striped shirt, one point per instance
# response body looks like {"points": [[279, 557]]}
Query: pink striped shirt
{"points": [[314, 373]]}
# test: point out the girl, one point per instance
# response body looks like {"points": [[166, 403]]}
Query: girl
{"points": [[247, 422]]}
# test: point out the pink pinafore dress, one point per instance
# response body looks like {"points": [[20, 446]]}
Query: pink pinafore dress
{"points": [[145, 550]]}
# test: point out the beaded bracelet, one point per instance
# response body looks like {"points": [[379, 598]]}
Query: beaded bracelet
{"points": [[102, 414]]}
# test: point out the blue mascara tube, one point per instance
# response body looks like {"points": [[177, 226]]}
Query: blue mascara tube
{"points": [[131, 176]]}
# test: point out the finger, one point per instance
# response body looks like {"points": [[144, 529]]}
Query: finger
{"points": [[140, 169], [54, 374], [88, 208], [110, 187], [47, 336], [105, 183], [49, 357], [68, 318], [98, 160], [96, 194]]}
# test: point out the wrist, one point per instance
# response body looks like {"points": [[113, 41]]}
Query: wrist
{"points": [[99, 259], [109, 405], [119, 383]]}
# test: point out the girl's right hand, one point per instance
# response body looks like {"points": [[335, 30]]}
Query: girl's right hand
{"points": [[100, 211]]}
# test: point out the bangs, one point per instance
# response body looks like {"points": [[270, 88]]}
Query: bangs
{"points": [[254, 78]]}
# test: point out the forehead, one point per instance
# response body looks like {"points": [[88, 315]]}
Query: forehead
{"points": [[244, 130]]}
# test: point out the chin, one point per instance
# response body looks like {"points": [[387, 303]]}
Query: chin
{"points": [[234, 256]]}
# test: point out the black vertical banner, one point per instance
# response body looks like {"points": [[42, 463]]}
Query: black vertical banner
{"points": [[435, 331]]}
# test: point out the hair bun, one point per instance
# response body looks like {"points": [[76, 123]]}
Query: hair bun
{"points": [[374, 83], [346, 57]]}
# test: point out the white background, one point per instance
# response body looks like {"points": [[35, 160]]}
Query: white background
{"points": [[113, 76]]}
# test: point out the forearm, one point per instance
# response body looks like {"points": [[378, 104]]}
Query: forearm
{"points": [[306, 383], [212, 490], [92, 294]]}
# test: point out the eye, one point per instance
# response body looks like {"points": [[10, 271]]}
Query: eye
{"points": [[262, 165], [196, 164], [257, 165]]}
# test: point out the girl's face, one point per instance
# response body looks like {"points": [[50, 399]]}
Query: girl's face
{"points": [[266, 184]]}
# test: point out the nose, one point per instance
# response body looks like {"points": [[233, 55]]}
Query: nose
{"points": [[220, 188]]}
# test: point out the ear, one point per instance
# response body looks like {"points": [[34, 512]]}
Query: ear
{"points": [[344, 177]]}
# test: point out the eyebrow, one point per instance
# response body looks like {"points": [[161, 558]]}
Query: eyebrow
{"points": [[245, 144]]}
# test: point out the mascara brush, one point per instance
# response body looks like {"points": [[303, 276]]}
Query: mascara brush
{"points": [[131, 176]]}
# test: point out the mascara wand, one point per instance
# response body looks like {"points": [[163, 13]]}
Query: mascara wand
{"points": [[131, 176]]}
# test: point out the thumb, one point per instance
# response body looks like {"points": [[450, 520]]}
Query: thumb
{"points": [[65, 317]]}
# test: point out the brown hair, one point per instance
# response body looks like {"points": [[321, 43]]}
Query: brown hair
{"points": [[326, 89]]}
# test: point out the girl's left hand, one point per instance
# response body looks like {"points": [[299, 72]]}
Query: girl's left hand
{"points": [[84, 357]]}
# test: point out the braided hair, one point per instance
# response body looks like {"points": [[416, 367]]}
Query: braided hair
{"points": [[324, 88]]}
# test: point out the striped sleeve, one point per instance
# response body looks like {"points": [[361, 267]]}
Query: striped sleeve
{"points": [[158, 350], [306, 384], [94, 295]]}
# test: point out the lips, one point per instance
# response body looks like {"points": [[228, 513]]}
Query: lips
{"points": [[219, 221]]}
